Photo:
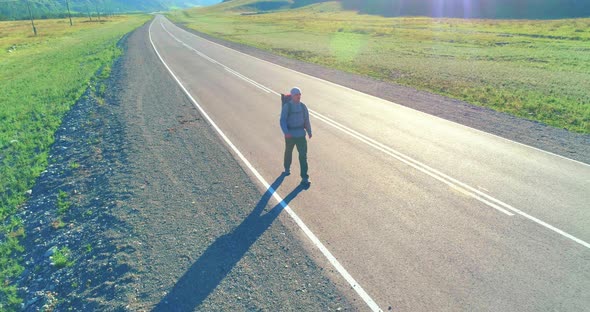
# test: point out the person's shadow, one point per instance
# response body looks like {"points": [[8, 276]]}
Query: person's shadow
{"points": [[221, 256]]}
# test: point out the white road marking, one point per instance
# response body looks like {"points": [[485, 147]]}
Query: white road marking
{"points": [[356, 91], [235, 73], [206, 57], [359, 290], [416, 165], [456, 184], [254, 83]]}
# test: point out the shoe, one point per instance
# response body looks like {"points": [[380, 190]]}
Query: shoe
{"points": [[306, 183], [287, 172]]}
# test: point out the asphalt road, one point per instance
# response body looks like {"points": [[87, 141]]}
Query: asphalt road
{"points": [[423, 213]]}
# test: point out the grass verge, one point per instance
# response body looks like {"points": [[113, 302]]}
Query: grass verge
{"points": [[535, 69], [41, 77]]}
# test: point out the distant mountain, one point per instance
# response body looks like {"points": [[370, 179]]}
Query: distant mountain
{"points": [[505, 9], [492, 9], [57, 8]]}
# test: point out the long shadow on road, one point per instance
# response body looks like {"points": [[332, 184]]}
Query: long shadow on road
{"points": [[219, 259]]}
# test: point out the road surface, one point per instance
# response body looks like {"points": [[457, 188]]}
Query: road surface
{"points": [[416, 212]]}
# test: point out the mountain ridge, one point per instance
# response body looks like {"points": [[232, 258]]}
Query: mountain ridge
{"points": [[14, 10], [479, 9], [492, 9]]}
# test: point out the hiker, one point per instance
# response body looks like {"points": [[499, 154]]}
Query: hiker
{"points": [[295, 123]]}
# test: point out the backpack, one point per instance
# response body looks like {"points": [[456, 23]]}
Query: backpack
{"points": [[285, 98]]}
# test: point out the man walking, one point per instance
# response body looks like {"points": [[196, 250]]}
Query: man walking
{"points": [[295, 123]]}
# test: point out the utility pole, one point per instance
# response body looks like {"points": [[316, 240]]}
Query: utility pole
{"points": [[105, 9], [97, 11], [69, 14], [88, 10], [31, 15]]}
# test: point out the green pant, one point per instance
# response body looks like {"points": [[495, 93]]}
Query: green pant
{"points": [[301, 144]]}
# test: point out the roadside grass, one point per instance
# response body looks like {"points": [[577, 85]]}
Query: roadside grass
{"points": [[63, 204], [61, 258], [41, 77], [535, 69]]}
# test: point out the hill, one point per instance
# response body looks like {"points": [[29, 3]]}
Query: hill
{"points": [[490, 9], [493, 9], [11, 10]]}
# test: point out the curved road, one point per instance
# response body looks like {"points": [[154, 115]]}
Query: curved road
{"points": [[423, 213]]}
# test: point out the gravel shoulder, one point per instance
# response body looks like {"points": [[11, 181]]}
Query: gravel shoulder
{"points": [[162, 216], [558, 141]]}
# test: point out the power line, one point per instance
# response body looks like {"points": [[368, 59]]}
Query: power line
{"points": [[42, 3], [22, 1], [64, 3]]}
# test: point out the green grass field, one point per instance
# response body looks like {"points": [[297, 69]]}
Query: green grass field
{"points": [[41, 77], [536, 69]]}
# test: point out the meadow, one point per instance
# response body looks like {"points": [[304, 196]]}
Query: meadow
{"points": [[41, 77], [534, 69]]}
